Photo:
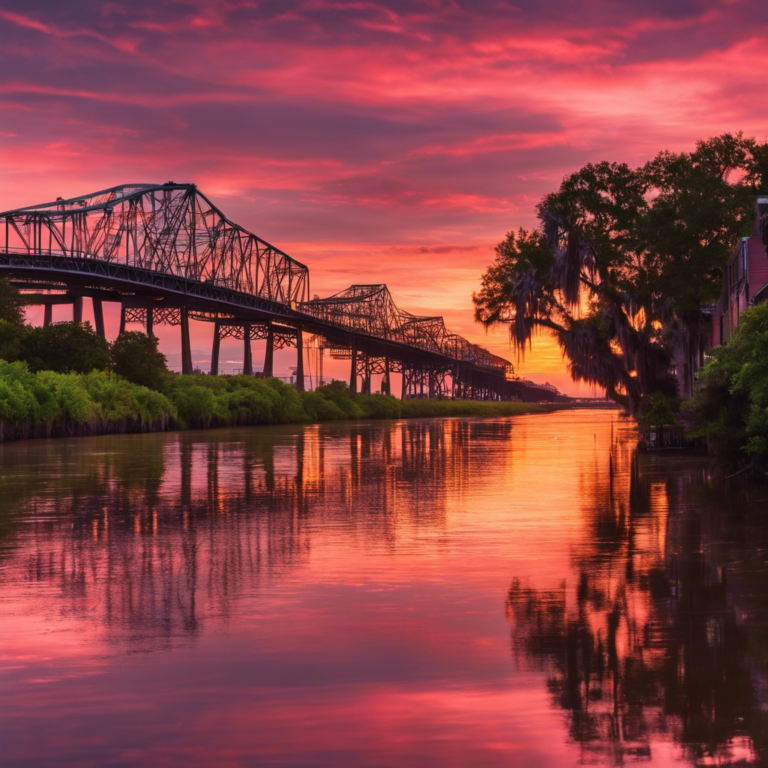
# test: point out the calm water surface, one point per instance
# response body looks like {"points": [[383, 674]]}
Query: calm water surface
{"points": [[460, 592]]}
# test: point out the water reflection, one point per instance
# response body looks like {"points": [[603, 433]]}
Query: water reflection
{"points": [[146, 541], [335, 596], [662, 629]]}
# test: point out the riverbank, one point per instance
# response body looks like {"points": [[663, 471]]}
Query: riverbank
{"points": [[50, 404]]}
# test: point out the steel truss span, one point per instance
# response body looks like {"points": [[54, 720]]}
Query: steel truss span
{"points": [[166, 253]]}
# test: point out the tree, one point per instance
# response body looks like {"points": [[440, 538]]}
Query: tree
{"points": [[11, 305], [624, 263], [135, 356], [730, 409], [65, 347], [12, 336]]}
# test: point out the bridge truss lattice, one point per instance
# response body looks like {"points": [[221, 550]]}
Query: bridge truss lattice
{"points": [[167, 254]]}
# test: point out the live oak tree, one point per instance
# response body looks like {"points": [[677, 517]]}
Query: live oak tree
{"points": [[624, 262]]}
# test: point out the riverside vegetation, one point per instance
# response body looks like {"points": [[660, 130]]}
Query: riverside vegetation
{"points": [[65, 380], [730, 409]]}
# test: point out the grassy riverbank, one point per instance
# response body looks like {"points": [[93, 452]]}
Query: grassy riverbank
{"points": [[50, 404]]}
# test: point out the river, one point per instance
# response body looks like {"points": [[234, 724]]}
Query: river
{"points": [[525, 591]]}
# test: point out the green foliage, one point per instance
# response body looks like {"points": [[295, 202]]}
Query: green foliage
{"points": [[65, 348], [639, 251], [49, 403], [12, 340], [339, 394], [659, 409], [11, 307], [136, 357], [46, 403], [730, 409], [378, 406], [205, 401]]}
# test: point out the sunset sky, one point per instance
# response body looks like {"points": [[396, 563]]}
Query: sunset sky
{"points": [[376, 142]]}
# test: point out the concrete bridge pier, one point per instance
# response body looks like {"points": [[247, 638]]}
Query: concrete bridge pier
{"points": [[98, 317], [386, 388], [269, 354], [299, 360], [186, 345], [216, 349], [47, 315], [247, 359], [353, 373], [77, 309]]}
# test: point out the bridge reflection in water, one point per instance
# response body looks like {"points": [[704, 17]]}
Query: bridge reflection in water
{"points": [[344, 595], [146, 541]]}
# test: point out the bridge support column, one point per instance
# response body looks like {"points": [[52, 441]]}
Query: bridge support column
{"points": [[186, 344], [47, 315], [77, 309], [122, 318], [98, 317], [353, 374], [299, 360], [247, 360], [216, 348], [150, 321], [431, 383], [386, 388], [269, 354]]}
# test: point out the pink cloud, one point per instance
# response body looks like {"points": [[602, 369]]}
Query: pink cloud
{"points": [[360, 128]]}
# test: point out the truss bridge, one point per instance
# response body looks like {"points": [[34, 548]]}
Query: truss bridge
{"points": [[167, 255]]}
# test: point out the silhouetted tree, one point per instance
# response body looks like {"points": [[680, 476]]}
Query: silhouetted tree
{"points": [[625, 261]]}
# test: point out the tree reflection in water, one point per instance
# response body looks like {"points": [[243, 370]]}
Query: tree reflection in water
{"points": [[664, 629], [147, 541]]}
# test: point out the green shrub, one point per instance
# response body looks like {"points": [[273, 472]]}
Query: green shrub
{"points": [[51, 403], [338, 393], [65, 348], [379, 406], [318, 408], [12, 340], [730, 410], [135, 356], [124, 403]]}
